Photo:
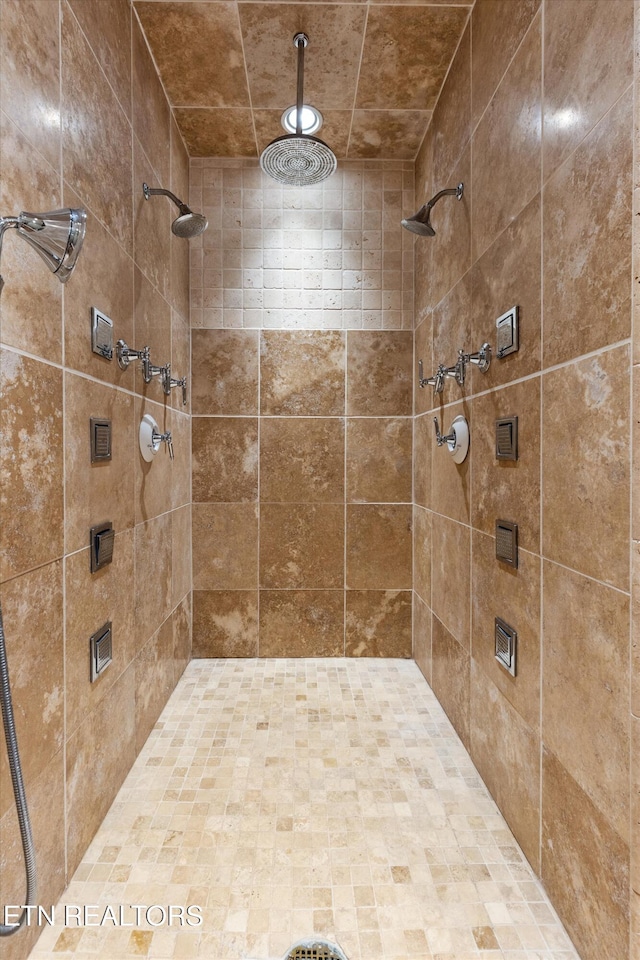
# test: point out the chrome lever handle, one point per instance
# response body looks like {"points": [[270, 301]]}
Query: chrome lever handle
{"points": [[126, 354], [149, 370], [168, 382], [164, 438], [440, 439]]}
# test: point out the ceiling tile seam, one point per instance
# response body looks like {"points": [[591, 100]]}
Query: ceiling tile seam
{"points": [[246, 77], [355, 92], [446, 77]]}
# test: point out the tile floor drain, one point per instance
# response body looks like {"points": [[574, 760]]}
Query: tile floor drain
{"points": [[315, 950]]}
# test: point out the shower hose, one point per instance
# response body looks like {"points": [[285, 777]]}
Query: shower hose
{"points": [[18, 787]]}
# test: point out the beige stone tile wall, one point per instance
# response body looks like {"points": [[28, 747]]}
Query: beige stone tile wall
{"points": [[543, 139], [83, 122], [301, 312]]}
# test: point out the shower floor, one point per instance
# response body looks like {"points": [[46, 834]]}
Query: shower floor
{"points": [[288, 798]]}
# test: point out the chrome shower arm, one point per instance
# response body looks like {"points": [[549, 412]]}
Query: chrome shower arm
{"points": [[159, 192]]}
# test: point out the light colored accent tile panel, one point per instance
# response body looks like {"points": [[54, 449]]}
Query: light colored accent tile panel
{"points": [[588, 64], [585, 871], [587, 242], [586, 655], [31, 496], [32, 609], [585, 413]]}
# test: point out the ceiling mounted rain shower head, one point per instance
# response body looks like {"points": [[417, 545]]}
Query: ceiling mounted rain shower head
{"points": [[420, 222], [298, 159], [188, 224], [57, 236]]}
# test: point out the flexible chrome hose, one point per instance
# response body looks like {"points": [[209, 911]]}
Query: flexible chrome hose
{"points": [[18, 787]]}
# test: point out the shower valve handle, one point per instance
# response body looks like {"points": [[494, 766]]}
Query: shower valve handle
{"points": [[149, 370], [481, 358], [168, 382], [126, 354], [164, 438], [440, 439]]}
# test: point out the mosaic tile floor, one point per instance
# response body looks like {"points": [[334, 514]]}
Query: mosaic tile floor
{"points": [[288, 798]]}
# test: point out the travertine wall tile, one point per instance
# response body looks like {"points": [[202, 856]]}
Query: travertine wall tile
{"points": [[225, 546], [450, 677], [588, 64], [31, 496], [379, 546], [587, 210], [32, 608], [507, 754], [422, 547], [594, 861], [585, 411], [225, 459], [225, 623], [451, 576], [302, 373], [504, 181], [379, 460], [66, 139], [422, 636], [301, 546], [499, 590], [378, 623], [301, 623], [224, 366], [586, 653], [302, 460]]}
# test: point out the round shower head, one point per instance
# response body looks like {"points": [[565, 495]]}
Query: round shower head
{"points": [[298, 159], [418, 226], [189, 225]]}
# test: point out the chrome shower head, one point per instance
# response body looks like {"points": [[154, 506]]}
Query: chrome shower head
{"points": [[188, 224], [420, 222], [56, 235], [298, 159]]}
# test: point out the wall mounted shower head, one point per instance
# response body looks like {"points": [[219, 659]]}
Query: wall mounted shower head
{"points": [[57, 236], [298, 158], [420, 222], [188, 224]]}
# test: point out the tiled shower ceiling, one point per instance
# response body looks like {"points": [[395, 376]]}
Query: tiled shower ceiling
{"points": [[374, 70]]}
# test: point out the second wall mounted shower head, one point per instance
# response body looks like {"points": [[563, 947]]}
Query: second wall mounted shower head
{"points": [[420, 222], [188, 224], [57, 236]]}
